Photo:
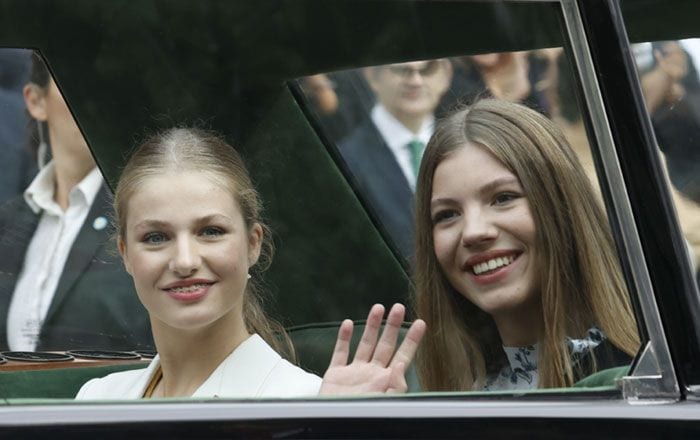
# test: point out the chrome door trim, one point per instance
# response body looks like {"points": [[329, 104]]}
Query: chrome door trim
{"points": [[655, 365]]}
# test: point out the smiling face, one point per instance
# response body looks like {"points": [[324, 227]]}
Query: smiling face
{"points": [[484, 233], [189, 251]]}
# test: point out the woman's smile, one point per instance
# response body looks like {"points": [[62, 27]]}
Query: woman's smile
{"points": [[491, 267], [189, 290], [188, 250], [483, 232]]}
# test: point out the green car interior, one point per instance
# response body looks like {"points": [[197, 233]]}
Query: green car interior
{"points": [[130, 68]]}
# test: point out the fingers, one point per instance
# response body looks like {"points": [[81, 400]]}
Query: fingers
{"points": [[382, 352], [342, 345], [365, 348], [387, 343], [404, 355]]}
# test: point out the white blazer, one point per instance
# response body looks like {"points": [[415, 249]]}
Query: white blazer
{"points": [[252, 370]]}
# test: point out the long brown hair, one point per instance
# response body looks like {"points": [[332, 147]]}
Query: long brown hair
{"points": [[195, 149], [581, 283]]}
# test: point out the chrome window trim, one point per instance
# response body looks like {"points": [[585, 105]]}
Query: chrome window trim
{"points": [[373, 408], [654, 378]]}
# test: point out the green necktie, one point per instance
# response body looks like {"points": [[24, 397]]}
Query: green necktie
{"points": [[416, 148]]}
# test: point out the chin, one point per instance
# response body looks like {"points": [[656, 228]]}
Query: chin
{"points": [[510, 306], [190, 321]]}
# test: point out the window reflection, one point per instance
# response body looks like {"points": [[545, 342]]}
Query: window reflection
{"points": [[62, 286], [384, 150], [671, 86], [381, 117], [18, 164]]}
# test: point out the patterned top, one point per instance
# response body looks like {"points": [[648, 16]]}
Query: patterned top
{"points": [[521, 371]]}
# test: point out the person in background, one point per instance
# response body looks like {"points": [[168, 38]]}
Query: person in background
{"points": [[340, 100], [19, 166], [383, 153], [672, 94], [524, 77], [62, 285]]}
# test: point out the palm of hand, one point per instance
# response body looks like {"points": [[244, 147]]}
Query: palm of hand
{"points": [[378, 367], [356, 378]]}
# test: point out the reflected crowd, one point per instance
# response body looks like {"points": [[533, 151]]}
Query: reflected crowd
{"points": [[62, 286], [378, 147]]}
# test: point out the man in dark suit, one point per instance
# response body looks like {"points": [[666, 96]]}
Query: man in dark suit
{"points": [[94, 305], [62, 285], [384, 152]]}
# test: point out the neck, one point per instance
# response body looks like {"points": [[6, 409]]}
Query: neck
{"points": [[189, 357], [68, 173], [520, 328]]}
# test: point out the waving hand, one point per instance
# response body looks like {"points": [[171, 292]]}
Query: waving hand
{"points": [[378, 366]]}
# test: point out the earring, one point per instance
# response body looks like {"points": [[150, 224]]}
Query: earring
{"points": [[249, 276], [43, 148]]}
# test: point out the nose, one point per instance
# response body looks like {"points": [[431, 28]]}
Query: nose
{"points": [[186, 259], [413, 77], [478, 229]]}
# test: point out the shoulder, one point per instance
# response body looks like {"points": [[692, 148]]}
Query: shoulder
{"points": [[16, 202], [255, 369], [104, 198], [121, 385], [17, 221], [595, 353], [288, 380], [364, 136], [608, 356], [13, 206]]}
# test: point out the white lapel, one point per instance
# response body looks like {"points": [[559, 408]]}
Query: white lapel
{"points": [[243, 373], [134, 386]]}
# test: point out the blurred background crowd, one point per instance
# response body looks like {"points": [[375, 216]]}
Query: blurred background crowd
{"points": [[381, 117]]}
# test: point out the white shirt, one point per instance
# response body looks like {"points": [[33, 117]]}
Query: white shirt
{"points": [[47, 253], [397, 137]]}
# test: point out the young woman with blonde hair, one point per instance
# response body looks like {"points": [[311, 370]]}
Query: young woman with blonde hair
{"points": [[191, 235], [516, 271]]}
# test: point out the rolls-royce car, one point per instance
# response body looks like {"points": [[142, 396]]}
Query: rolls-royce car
{"points": [[308, 92]]}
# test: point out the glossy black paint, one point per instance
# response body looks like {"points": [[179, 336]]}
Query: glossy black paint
{"points": [[428, 428]]}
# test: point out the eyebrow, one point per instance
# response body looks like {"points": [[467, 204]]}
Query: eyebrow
{"points": [[160, 224], [494, 184], [213, 218], [151, 224], [441, 201], [489, 187]]}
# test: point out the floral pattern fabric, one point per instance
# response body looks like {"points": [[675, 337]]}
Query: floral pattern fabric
{"points": [[521, 371]]}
